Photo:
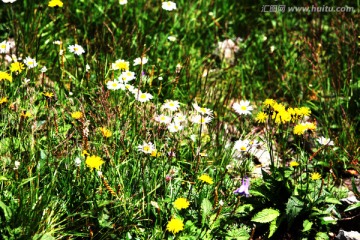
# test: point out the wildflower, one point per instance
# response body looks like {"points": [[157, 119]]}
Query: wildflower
{"points": [[304, 111], [76, 49], [30, 62], [294, 164], [77, 162], [171, 105], [114, 85], [169, 5], [244, 188], [48, 94], [3, 100], [242, 145], [120, 65], [163, 119], [126, 76], [325, 141], [94, 162], [171, 38], [9, 1], [278, 107], [87, 67], [85, 153], [282, 116], [4, 47], [17, 67], [123, 2], [198, 119], [26, 81], [105, 132], [140, 61], [175, 225], [179, 117], [269, 102], [43, 69], [5, 76], [315, 176], [261, 117], [206, 178], [25, 114], [181, 203], [147, 148], [175, 127], [55, 3], [77, 115], [155, 153], [143, 97], [300, 128], [202, 110], [16, 165], [242, 108]]}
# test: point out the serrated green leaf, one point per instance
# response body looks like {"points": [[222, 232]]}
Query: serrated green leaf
{"points": [[332, 200], [206, 207], [293, 208], [238, 234], [307, 225], [266, 215], [273, 227]]}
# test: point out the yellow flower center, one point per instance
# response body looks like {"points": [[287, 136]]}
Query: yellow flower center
{"points": [[243, 108]]}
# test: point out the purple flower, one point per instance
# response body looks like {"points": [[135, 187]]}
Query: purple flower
{"points": [[244, 188]]}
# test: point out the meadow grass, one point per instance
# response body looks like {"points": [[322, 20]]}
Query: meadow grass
{"points": [[87, 152]]}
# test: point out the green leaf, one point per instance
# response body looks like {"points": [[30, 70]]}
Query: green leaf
{"points": [[321, 236], [3, 178], [266, 215], [332, 200], [238, 234], [273, 227], [246, 208], [352, 207], [293, 208], [6, 210], [206, 207], [307, 225]]}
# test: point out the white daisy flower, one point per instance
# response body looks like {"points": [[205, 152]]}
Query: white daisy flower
{"points": [[171, 38], [140, 61], [171, 105], [242, 145], [242, 108], [163, 119], [179, 117], [43, 69], [114, 85], [325, 141], [126, 76], [175, 127], [202, 110], [4, 47], [76, 49], [143, 97], [30, 62], [123, 2], [199, 119], [146, 147], [169, 5]]}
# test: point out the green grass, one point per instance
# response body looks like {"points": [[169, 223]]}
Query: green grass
{"points": [[297, 59]]}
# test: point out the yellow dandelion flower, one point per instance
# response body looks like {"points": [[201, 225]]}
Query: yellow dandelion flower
{"points": [[304, 111], [17, 67], [25, 114], [121, 65], [181, 203], [5, 76], [175, 225], [269, 102], [105, 132], [55, 3], [206, 178], [48, 94], [77, 115], [261, 117], [94, 162], [278, 107], [155, 153], [294, 164], [3, 100], [315, 176], [300, 128], [85, 153]]}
